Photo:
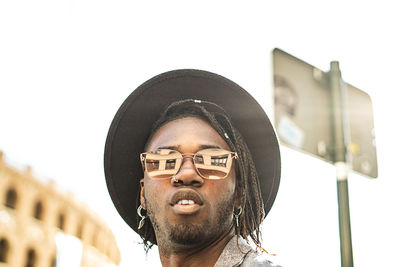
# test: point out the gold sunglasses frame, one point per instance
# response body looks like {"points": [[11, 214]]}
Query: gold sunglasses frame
{"points": [[232, 156]]}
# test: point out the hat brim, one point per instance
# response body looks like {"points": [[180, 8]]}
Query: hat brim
{"points": [[131, 126]]}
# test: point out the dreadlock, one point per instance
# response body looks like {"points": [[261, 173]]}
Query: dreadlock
{"points": [[247, 185]]}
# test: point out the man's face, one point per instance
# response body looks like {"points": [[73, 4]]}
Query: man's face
{"points": [[211, 215]]}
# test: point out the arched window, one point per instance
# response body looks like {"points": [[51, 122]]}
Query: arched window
{"points": [[30, 258], [11, 198], [4, 247], [61, 221], [38, 210]]}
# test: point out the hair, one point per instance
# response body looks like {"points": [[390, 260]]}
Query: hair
{"points": [[247, 185]]}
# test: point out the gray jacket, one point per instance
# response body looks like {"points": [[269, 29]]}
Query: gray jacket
{"points": [[242, 256]]}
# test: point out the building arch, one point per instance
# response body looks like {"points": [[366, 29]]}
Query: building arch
{"points": [[38, 210], [61, 221], [11, 198], [4, 250], [31, 258]]}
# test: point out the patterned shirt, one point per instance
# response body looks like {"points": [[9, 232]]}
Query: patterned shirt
{"points": [[238, 253]]}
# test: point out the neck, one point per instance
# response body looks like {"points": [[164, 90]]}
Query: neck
{"points": [[205, 255]]}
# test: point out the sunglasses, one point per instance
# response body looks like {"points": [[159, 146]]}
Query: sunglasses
{"points": [[210, 163]]}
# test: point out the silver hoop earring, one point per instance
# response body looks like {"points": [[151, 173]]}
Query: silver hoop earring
{"points": [[142, 221], [237, 216]]}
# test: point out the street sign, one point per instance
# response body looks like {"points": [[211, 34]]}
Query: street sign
{"points": [[303, 114]]}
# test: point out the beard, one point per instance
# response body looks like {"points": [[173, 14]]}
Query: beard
{"points": [[188, 234]]}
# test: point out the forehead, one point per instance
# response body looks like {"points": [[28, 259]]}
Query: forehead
{"points": [[187, 134]]}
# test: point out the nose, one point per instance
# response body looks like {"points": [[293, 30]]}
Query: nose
{"points": [[187, 174]]}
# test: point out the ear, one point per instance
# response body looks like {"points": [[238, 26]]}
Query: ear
{"points": [[142, 199]]}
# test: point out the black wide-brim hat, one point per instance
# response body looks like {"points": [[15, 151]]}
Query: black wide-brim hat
{"points": [[131, 126]]}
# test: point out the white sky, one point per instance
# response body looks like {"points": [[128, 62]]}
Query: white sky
{"points": [[66, 66]]}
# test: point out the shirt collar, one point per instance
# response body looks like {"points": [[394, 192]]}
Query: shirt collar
{"points": [[233, 253]]}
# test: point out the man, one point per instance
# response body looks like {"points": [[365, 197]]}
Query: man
{"points": [[192, 164]]}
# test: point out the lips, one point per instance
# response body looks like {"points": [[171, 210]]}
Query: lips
{"points": [[186, 197], [186, 202]]}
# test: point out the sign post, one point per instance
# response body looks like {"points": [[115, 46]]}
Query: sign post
{"points": [[340, 134]]}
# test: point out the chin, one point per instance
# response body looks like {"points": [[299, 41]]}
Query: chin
{"points": [[188, 233]]}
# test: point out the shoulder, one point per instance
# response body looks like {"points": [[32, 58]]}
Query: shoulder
{"points": [[255, 259], [239, 253]]}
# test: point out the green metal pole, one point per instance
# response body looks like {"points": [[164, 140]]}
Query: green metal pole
{"points": [[340, 134]]}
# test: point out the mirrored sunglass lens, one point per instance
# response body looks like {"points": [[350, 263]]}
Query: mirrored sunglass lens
{"points": [[164, 163], [212, 173], [213, 163]]}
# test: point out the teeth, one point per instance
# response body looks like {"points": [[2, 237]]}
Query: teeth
{"points": [[185, 202]]}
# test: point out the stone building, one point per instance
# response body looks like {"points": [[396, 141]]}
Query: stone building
{"points": [[33, 215]]}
